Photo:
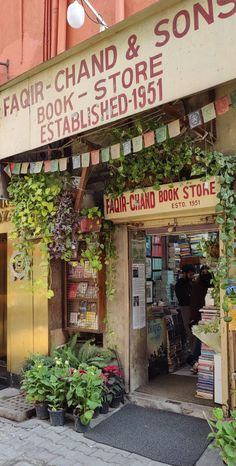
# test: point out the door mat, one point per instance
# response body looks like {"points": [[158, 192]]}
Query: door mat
{"points": [[159, 435]]}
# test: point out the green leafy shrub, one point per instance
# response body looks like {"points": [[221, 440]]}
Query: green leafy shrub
{"points": [[36, 381], [224, 435], [58, 385], [85, 391]]}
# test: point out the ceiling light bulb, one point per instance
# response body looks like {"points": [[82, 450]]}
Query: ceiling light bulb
{"points": [[75, 15]]}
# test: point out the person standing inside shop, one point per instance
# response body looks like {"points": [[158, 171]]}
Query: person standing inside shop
{"points": [[183, 291]]}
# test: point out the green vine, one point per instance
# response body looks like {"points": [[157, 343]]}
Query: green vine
{"points": [[37, 200], [216, 164], [159, 164], [174, 161]]}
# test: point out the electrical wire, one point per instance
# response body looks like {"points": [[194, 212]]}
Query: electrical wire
{"points": [[91, 19]]}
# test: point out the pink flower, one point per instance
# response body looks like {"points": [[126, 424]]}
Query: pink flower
{"points": [[81, 371]]}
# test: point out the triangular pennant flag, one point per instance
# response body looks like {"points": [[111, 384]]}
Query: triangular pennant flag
{"points": [[137, 143], [36, 167], [127, 147], [76, 162], [16, 169], [24, 168], [7, 170], [86, 159], [115, 151], [12, 166], [161, 134], [47, 166], [95, 157], [174, 128], [233, 99], [54, 165], [208, 112], [105, 154], [63, 164], [195, 119], [222, 105], [149, 139]]}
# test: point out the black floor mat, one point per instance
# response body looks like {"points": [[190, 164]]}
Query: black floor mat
{"points": [[159, 435]]}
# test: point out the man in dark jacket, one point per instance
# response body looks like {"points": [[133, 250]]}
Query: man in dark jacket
{"points": [[183, 291]]}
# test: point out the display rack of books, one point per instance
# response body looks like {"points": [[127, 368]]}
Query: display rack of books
{"points": [[174, 256], [84, 298], [175, 353], [205, 384]]}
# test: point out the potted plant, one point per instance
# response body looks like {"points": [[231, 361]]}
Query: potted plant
{"points": [[84, 394], [90, 220], [106, 397], [36, 386], [115, 382], [209, 333], [58, 385], [223, 431]]}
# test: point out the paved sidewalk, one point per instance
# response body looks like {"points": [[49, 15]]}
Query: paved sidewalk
{"points": [[36, 443]]}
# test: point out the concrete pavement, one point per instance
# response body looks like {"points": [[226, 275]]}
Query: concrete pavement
{"points": [[36, 443]]}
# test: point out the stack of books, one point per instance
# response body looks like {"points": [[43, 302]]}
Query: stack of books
{"points": [[174, 256], [184, 248], [194, 245], [205, 384]]}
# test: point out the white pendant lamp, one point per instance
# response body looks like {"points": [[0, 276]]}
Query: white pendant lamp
{"points": [[75, 15]]}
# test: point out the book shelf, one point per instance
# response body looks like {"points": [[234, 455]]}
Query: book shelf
{"points": [[84, 298]]}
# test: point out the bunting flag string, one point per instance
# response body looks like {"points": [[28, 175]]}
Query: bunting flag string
{"points": [[195, 118]]}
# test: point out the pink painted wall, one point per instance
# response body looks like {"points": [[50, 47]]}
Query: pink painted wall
{"points": [[32, 31]]}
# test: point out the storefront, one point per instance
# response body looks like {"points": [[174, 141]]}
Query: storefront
{"points": [[145, 64], [161, 242]]}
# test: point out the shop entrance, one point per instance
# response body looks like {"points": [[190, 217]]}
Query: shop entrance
{"points": [[3, 308], [169, 372]]}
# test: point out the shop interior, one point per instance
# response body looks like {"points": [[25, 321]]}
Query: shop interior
{"points": [[170, 376]]}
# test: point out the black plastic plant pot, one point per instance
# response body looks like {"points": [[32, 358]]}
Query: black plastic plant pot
{"points": [[57, 418], [79, 427], [116, 400], [96, 413], [104, 408], [42, 410]]}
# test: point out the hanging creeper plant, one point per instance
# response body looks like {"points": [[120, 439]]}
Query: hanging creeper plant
{"points": [[38, 200], [224, 167]]}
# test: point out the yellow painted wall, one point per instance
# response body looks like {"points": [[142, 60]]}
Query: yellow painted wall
{"points": [[27, 311]]}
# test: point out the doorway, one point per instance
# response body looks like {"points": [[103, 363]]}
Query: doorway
{"points": [[3, 310], [169, 374]]}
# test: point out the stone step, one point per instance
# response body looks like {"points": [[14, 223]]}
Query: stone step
{"points": [[190, 409]]}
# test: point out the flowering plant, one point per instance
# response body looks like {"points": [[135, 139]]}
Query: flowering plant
{"points": [[85, 391], [115, 380], [36, 381], [58, 385]]}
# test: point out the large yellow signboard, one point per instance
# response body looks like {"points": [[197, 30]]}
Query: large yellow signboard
{"points": [[170, 201], [182, 47]]}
